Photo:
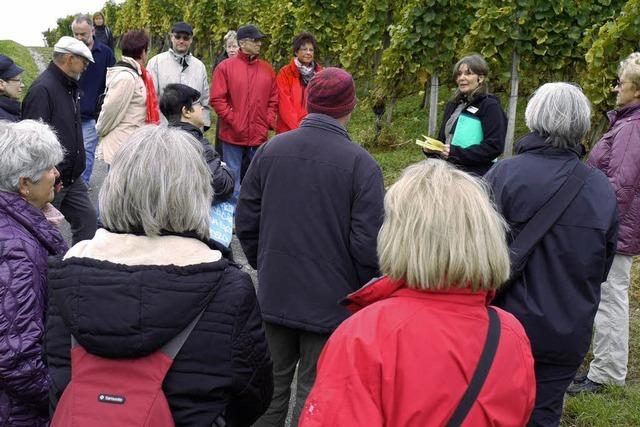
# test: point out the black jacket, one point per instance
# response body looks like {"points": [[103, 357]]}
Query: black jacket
{"points": [[478, 159], [104, 35], [9, 109], [308, 217], [557, 296], [121, 311], [221, 177], [53, 98]]}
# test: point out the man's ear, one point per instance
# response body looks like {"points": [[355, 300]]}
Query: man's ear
{"points": [[186, 113]]}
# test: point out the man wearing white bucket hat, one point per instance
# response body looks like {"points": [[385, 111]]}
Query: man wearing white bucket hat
{"points": [[53, 98]]}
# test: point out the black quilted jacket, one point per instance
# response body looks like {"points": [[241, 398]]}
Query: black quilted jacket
{"points": [[120, 311]]}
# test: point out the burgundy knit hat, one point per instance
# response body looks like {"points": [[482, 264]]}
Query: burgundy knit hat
{"points": [[331, 92]]}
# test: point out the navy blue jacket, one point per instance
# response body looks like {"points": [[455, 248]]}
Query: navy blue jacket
{"points": [[9, 109], [221, 176], [557, 296], [53, 98], [120, 311], [478, 159], [92, 81], [310, 208]]}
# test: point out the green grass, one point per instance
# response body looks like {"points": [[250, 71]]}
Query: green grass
{"points": [[22, 58]]}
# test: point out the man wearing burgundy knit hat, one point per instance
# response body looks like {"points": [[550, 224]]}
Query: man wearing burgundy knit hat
{"points": [[308, 216]]}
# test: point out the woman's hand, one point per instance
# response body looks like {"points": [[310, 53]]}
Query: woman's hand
{"points": [[444, 153]]}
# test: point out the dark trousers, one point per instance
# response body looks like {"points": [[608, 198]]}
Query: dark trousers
{"points": [[552, 381], [74, 203], [289, 347]]}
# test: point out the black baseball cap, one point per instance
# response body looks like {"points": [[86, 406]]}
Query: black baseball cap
{"points": [[8, 68], [249, 32], [182, 27]]}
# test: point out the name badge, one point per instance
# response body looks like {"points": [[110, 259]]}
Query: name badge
{"points": [[472, 109]]}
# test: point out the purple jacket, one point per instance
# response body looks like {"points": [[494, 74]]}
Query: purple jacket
{"points": [[26, 240], [617, 154]]}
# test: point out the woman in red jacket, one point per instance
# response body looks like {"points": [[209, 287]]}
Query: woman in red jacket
{"points": [[407, 356], [292, 82]]}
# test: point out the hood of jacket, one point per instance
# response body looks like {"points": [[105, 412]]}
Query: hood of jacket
{"points": [[381, 288], [534, 142], [125, 296]]}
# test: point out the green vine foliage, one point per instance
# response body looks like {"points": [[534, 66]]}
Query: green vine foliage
{"points": [[110, 10], [423, 41], [614, 40], [367, 30], [547, 35]]}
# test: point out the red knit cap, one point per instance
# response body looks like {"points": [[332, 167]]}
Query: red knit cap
{"points": [[331, 92]]}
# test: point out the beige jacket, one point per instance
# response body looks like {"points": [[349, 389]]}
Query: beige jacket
{"points": [[124, 109]]}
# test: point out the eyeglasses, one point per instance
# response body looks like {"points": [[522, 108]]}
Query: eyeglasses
{"points": [[185, 37], [619, 83], [84, 60], [14, 80]]}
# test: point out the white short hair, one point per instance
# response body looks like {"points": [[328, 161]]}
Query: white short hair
{"points": [[28, 149], [631, 67], [441, 230], [559, 112], [158, 181]]}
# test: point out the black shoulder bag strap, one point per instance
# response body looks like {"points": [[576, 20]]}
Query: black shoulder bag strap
{"points": [[544, 219], [482, 370]]}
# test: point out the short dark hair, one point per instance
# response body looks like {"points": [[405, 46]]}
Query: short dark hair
{"points": [[176, 96], [302, 39], [133, 43]]}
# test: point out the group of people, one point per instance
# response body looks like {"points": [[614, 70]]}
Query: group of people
{"points": [[403, 307]]}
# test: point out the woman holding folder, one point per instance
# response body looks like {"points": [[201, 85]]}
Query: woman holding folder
{"points": [[474, 125]]}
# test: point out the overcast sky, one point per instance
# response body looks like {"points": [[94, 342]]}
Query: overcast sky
{"points": [[25, 20]]}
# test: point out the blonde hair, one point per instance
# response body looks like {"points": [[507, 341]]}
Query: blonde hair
{"points": [[441, 230], [631, 67]]}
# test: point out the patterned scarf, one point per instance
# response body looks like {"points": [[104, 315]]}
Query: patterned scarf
{"points": [[153, 110], [306, 71]]}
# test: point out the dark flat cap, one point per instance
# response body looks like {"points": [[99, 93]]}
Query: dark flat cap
{"points": [[249, 32], [8, 68], [182, 27]]}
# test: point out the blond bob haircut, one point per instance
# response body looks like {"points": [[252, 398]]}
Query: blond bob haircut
{"points": [[158, 182], [630, 66], [441, 230]]}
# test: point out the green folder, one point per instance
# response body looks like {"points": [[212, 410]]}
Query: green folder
{"points": [[468, 131]]}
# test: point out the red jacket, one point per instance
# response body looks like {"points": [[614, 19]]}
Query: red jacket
{"points": [[407, 357], [245, 97], [292, 97]]}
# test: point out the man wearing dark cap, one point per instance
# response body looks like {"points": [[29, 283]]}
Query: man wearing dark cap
{"points": [[308, 217], [54, 98], [10, 89], [245, 97], [177, 65]]}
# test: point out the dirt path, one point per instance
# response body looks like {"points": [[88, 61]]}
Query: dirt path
{"points": [[38, 59]]}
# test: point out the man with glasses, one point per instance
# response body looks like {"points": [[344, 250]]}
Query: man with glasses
{"points": [[10, 89], [92, 84], [54, 98], [245, 97], [177, 65]]}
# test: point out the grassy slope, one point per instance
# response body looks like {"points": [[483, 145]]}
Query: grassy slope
{"points": [[617, 406], [22, 58]]}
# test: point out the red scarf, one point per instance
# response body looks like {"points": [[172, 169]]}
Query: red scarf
{"points": [[153, 111]]}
